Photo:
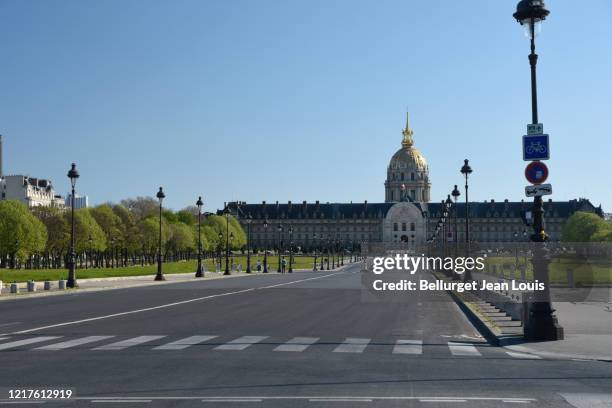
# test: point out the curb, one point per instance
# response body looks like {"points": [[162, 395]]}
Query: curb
{"points": [[478, 323]]}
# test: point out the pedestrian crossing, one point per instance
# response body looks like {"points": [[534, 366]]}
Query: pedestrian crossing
{"points": [[215, 343]]}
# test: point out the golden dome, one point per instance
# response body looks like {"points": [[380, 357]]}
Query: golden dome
{"points": [[408, 157]]}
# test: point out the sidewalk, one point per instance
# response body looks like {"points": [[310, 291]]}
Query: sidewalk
{"points": [[588, 332]]}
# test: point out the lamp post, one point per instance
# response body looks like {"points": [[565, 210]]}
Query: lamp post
{"points": [[220, 248], [73, 175], [466, 170], [456, 193], [160, 275], [280, 231], [265, 266], [90, 240], [314, 243], [249, 221], [541, 324], [227, 269], [199, 270], [290, 249], [232, 252]]}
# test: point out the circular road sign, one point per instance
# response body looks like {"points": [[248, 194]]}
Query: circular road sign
{"points": [[536, 172]]}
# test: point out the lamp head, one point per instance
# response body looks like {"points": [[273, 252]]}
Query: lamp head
{"points": [[199, 203], [73, 175], [160, 195], [466, 169]]}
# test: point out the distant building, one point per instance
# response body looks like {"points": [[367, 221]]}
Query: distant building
{"points": [[408, 215], [31, 191], [79, 201]]}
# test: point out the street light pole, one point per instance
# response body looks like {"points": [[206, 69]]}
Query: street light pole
{"points": [[290, 249], [466, 170], [265, 265], [456, 193], [73, 175], [160, 275], [227, 270], [314, 243], [249, 221], [280, 231], [200, 270], [541, 324]]}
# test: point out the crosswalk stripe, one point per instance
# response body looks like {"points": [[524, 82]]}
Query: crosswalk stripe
{"points": [[241, 343], [120, 345], [297, 344], [523, 356], [352, 345], [408, 347], [24, 342], [73, 343], [463, 349], [4, 338], [184, 343]]}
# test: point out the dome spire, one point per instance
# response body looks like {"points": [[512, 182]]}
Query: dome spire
{"points": [[407, 132]]}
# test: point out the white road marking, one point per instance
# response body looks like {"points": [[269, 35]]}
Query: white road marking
{"points": [[4, 338], [120, 345], [184, 343], [241, 343], [523, 355], [182, 302], [442, 400], [463, 349], [73, 343], [297, 344], [24, 342], [131, 401], [232, 400], [516, 402], [339, 400], [408, 347], [352, 345]]}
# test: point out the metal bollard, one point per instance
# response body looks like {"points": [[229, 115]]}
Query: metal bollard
{"points": [[570, 278], [14, 288], [61, 284], [47, 285], [31, 286]]}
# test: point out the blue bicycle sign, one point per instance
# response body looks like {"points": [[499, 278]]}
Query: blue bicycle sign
{"points": [[535, 147]]}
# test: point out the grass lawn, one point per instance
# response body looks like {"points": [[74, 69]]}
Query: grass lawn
{"points": [[586, 273], [23, 275]]}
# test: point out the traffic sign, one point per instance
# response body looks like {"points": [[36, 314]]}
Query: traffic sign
{"points": [[535, 129], [535, 147], [536, 172], [538, 190]]}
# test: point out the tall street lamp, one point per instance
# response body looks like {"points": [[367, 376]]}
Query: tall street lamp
{"points": [[220, 248], [200, 270], [160, 275], [290, 249], [227, 237], [265, 266], [73, 175], [466, 170], [455, 193], [541, 323], [249, 221], [280, 231], [314, 242]]}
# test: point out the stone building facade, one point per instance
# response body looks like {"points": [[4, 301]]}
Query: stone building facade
{"points": [[407, 215]]}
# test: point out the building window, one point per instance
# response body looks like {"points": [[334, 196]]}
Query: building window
{"points": [[412, 176], [403, 226], [412, 226], [395, 226], [402, 177], [413, 194]]}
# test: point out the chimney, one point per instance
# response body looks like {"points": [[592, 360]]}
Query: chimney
{"points": [[304, 205], [1, 173]]}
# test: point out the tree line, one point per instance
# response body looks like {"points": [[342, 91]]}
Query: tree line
{"points": [[108, 235]]}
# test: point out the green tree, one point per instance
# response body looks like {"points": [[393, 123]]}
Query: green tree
{"points": [[131, 233], [141, 207], [85, 226], [58, 228], [21, 232], [110, 223], [186, 216], [149, 231], [181, 237], [582, 226]]}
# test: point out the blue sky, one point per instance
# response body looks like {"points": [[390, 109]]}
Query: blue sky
{"points": [[299, 100]]}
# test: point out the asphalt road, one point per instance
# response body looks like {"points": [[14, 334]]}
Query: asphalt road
{"points": [[303, 339]]}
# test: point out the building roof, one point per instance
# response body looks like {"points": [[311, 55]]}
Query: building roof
{"points": [[317, 210]]}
